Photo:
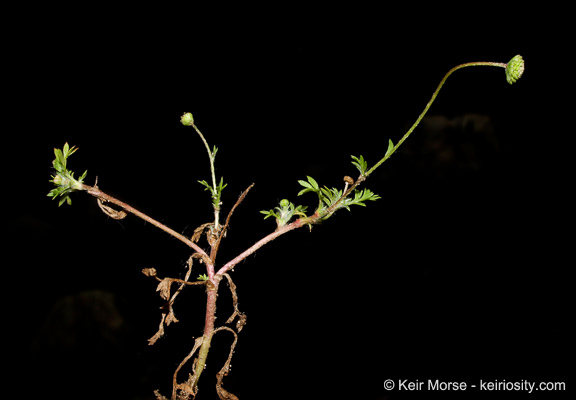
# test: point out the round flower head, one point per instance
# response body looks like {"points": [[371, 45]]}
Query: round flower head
{"points": [[187, 119], [514, 69]]}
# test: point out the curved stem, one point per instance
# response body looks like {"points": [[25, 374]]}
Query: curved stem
{"points": [[210, 155], [472, 64]]}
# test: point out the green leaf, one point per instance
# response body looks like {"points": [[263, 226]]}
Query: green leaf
{"points": [[58, 155], [207, 185], [307, 186], [269, 213], [330, 196], [313, 182], [66, 199], [284, 212], [68, 151], [360, 163], [64, 179], [311, 186], [55, 192], [300, 210], [58, 165], [221, 186], [363, 195], [390, 148]]}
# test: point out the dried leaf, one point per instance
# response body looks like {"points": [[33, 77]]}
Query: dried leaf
{"points": [[157, 336], [198, 231], [189, 387], [164, 288], [159, 396], [171, 317], [149, 271], [222, 393], [241, 317], [241, 322], [109, 211]]}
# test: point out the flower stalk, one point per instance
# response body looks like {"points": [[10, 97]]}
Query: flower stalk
{"points": [[188, 120], [514, 70]]}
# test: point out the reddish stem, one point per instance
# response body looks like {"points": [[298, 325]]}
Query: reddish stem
{"points": [[94, 191], [286, 228], [212, 295]]}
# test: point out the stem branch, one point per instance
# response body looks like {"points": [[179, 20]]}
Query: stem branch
{"points": [[94, 191], [286, 228]]}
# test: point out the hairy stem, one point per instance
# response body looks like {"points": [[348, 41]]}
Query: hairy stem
{"points": [[94, 191], [299, 223], [472, 64], [208, 331], [266, 239], [212, 170]]}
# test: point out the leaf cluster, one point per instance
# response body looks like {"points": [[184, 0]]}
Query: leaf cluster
{"points": [[332, 199], [284, 212], [216, 194], [64, 179], [215, 190]]}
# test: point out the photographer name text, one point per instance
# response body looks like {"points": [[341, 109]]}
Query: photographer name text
{"points": [[495, 385]]}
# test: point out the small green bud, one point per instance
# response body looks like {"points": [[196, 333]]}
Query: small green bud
{"points": [[514, 69], [187, 119], [284, 203], [57, 180]]}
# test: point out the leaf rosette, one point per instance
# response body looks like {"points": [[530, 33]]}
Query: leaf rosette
{"points": [[64, 179]]}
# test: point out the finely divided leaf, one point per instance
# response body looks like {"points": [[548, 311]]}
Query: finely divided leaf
{"points": [[362, 195]]}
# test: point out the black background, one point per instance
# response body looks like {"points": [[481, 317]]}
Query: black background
{"points": [[459, 272]]}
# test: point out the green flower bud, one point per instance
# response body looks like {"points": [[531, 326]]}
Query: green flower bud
{"points": [[187, 119], [514, 69], [284, 203], [57, 180]]}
